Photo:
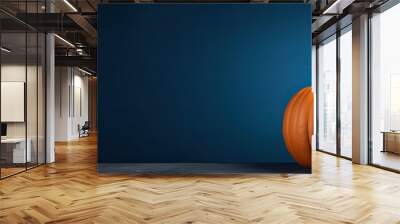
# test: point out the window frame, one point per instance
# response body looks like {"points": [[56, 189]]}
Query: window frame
{"points": [[334, 37]]}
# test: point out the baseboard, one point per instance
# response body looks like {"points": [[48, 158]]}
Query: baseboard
{"points": [[200, 168]]}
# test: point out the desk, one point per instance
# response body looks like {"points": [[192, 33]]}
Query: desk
{"points": [[391, 141], [13, 150]]}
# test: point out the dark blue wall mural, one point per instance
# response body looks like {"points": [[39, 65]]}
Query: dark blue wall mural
{"points": [[199, 83]]}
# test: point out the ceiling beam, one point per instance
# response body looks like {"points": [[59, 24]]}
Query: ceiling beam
{"points": [[86, 26], [82, 61]]}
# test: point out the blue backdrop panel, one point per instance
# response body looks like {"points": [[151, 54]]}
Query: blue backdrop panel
{"points": [[199, 83]]}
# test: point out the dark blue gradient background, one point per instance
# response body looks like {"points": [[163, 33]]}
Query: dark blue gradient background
{"points": [[207, 83]]}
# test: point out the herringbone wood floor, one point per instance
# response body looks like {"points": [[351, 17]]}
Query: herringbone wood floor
{"points": [[70, 191]]}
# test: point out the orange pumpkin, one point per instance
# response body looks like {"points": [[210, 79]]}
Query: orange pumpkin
{"points": [[298, 126]]}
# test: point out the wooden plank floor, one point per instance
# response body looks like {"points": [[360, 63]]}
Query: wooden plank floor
{"points": [[70, 191]]}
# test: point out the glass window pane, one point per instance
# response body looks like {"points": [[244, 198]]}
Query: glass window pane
{"points": [[31, 88], [41, 98], [346, 94], [385, 93], [22, 89], [327, 96], [14, 153], [32, 95]]}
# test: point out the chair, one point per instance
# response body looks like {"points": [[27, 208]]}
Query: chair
{"points": [[84, 130]]}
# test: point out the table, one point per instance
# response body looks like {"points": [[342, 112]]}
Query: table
{"points": [[13, 150], [391, 141]]}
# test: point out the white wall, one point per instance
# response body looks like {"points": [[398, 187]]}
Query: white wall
{"points": [[33, 127], [16, 72], [71, 102], [80, 109], [62, 82]]}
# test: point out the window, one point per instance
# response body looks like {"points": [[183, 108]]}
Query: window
{"points": [[335, 94], [22, 101], [327, 96], [346, 92], [385, 89]]}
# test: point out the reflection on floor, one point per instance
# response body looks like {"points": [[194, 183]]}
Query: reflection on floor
{"points": [[11, 169], [346, 152], [71, 191], [387, 159]]}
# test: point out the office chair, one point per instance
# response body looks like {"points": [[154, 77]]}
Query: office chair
{"points": [[84, 130]]}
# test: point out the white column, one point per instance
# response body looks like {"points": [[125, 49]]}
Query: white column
{"points": [[314, 89], [360, 90], [63, 98], [50, 92]]}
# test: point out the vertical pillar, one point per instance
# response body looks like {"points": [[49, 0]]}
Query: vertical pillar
{"points": [[314, 89], [50, 92], [360, 89]]}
